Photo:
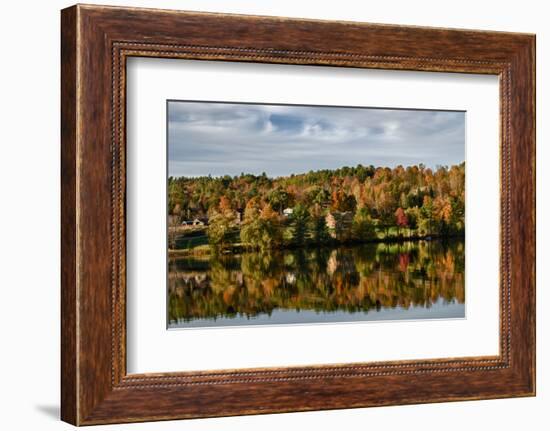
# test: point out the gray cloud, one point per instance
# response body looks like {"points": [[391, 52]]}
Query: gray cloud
{"points": [[208, 138]]}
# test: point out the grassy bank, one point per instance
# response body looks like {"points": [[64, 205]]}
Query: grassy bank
{"points": [[238, 248]]}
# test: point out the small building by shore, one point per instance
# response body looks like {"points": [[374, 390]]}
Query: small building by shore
{"points": [[196, 222], [338, 222]]}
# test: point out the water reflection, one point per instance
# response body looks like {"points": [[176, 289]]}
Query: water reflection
{"points": [[365, 282]]}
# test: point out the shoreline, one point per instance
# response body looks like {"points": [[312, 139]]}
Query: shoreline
{"points": [[237, 249]]}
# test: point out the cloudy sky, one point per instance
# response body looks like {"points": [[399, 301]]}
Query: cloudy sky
{"points": [[208, 138]]}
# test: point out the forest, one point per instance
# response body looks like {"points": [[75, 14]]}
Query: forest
{"points": [[325, 207]]}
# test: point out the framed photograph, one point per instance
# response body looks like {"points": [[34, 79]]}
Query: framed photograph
{"points": [[263, 214], [272, 220]]}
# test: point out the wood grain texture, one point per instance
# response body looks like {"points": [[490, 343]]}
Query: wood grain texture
{"points": [[96, 41]]}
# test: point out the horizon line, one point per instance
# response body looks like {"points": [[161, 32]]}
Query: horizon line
{"points": [[437, 167]]}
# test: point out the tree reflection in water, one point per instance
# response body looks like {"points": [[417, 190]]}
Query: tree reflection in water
{"points": [[353, 279]]}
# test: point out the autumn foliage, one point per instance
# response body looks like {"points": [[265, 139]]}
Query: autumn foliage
{"points": [[348, 204]]}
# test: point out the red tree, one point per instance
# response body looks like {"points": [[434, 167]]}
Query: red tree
{"points": [[401, 218]]}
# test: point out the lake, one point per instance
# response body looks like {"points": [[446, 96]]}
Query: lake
{"points": [[367, 282]]}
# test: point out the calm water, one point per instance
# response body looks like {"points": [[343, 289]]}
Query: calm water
{"points": [[412, 280]]}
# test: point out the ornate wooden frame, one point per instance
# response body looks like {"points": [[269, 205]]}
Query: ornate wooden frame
{"points": [[95, 42]]}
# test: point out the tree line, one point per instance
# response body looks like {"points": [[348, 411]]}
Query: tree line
{"points": [[349, 204]]}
